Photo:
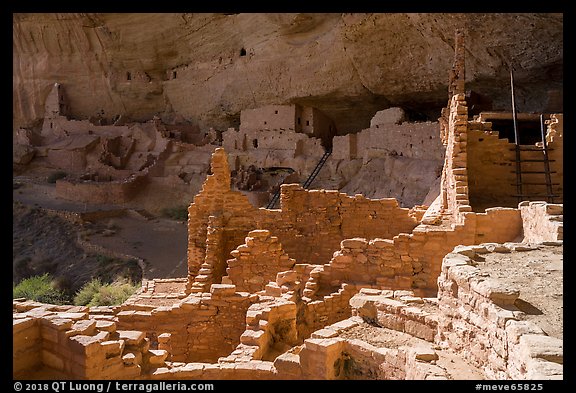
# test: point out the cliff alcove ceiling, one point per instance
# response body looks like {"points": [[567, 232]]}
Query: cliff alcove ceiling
{"points": [[208, 67]]}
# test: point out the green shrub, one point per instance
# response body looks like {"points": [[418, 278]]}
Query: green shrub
{"points": [[87, 292], [176, 213], [94, 293], [56, 175], [40, 289]]}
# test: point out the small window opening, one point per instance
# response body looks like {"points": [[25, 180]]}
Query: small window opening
{"points": [[265, 123], [174, 74], [128, 76], [307, 122], [275, 112], [242, 52], [299, 121], [255, 142], [410, 146]]}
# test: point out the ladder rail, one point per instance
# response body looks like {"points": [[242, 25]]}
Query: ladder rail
{"points": [[317, 169], [307, 183], [516, 140], [546, 161]]}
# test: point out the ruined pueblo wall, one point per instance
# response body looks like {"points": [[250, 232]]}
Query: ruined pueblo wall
{"points": [[113, 192], [492, 169], [410, 140], [272, 148], [27, 344], [315, 123], [413, 261], [203, 327], [270, 116], [542, 221], [476, 319], [454, 187], [256, 263], [77, 345], [555, 141], [309, 226]]}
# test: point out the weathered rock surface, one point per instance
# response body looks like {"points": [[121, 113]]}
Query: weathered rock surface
{"points": [[208, 67]]}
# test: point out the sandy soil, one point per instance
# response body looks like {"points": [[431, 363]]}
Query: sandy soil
{"points": [[456, 366], [160, 242], [538, 274]]}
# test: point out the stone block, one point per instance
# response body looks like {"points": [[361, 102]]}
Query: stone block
{"points": [[75, 316], [554, 209], [259, 233], [157, 357], [132, 358], [424, 353], [496, 290], [419, 330], [324, 333], [391, 321], [390, 306], [132, 337], [542, 347], [85, 346], [539, 369], [86, 327], [516, 329], [454, 259], [354, 243], [107, 326], [254, 337], [289, 276], [365, 306], [113, 348], [288, 364]]}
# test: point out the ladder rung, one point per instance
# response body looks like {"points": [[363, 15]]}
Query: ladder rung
{"points": [[534, 149], [535, 184], [533, 160], [524, 172], [535, 195]]}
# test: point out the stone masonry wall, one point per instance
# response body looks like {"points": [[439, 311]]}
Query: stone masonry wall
{"points": [[492, 171], [477, 319], [310, 224], [202, 327], [454, 184], [410, 140], [256, 262], [412, 261], [27, 344], [555, 141], [542, 221], [114, 192], [78, 345]]}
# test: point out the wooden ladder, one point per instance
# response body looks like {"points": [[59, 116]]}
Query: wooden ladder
{"points": [[307, 183], [521, 193]]}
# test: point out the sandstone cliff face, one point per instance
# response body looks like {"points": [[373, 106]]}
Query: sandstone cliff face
{"points": [[206, 68]]}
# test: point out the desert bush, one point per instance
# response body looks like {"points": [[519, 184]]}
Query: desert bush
{"points": [[38, 288], [94, 293]]}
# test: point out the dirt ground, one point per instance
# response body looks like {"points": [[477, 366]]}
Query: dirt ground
{"points": [[160, 242], [538, 274], [456, 367]]}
